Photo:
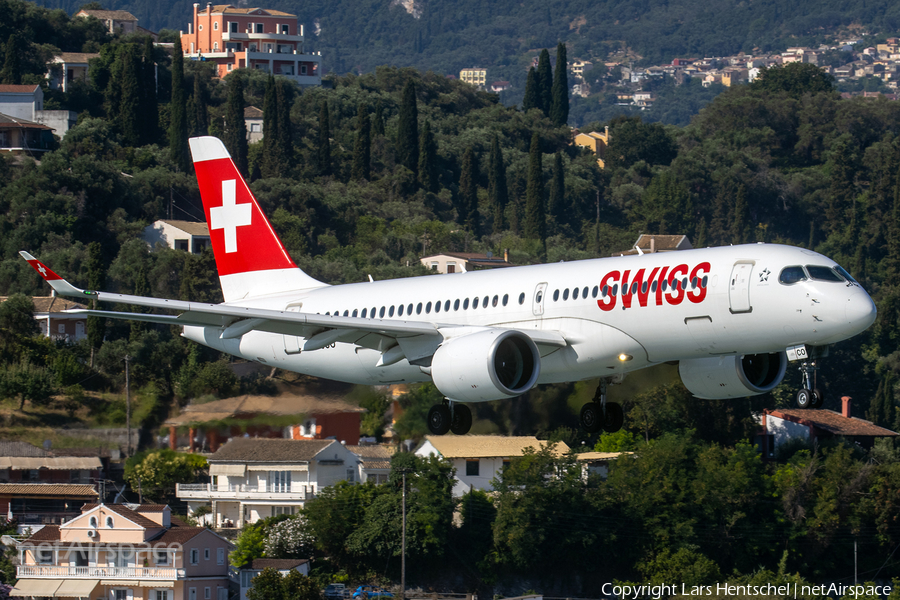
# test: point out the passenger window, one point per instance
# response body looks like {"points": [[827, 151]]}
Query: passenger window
{"points": [[354, 312], [644, 287], [419, 309], [456, 304], [584, 292], [437, 306], [566, 294], [465, 304], [484, 302], [428, 308], [538, 297], [409, 308], [400, 311], [704, 281], [391, 311], [363, 315], [615, 290], [791, 275], [346, 313], [605, 291], [446, 305], [505, 299], [522, 298], [474, 303], [555, 295], [653, 286], [373, 312], [495, 301], [822, 274], [381, 313], [594, 291], [575, 294], [665, 285], [694, 283]]}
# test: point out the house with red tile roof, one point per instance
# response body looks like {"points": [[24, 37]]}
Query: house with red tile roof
{"points": [[120, 552]]}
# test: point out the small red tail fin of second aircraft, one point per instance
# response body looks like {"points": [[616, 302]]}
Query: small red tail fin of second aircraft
{"points": [[249, 255]]}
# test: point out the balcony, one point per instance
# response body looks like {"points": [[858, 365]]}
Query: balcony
{"points": [[57, 572], [211, 491], [274, 37]]}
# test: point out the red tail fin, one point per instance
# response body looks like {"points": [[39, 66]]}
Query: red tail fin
{"points": [[249, 256]]}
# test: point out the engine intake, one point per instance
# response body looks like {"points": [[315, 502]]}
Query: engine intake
{"points": [[486, 365], [733, 376]]}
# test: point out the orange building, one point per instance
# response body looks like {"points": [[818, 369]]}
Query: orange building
{"points": [[253, 38]]}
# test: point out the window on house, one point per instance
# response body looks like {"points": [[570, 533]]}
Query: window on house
{"points": [[206, 554], [162, 558], [216, 26], [161, 595], [258, 28], [282, 510], [93, 522], [303, 69], [286, 29], [232, 27], [195, 558], [123, 595], [109, 523], [220, 556], [280, 480], [207, 593], [215, 46], [221, 593], [45, 557], [472, 468]]}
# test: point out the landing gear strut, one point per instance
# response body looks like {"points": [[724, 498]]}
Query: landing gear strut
{"points": [[449, 416], [809, 395], [599, 414]]}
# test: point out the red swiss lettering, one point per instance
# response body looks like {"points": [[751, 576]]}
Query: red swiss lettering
{"points": [[607, 282], [699, 293], [676, 291]]}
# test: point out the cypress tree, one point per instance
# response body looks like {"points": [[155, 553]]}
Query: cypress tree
{"points": [[362, 149], [843, 169], [428, 176], [535, 227], [531, 99], [12, 63], [408, 129], [235, 138], [285, 143], [270, 129], [323, 152], [544, 82], [740, 225], [178, 133], [96, 279], [557, 190], [149, 101], [498, 195], [559, 101], [129, 98], [378, 121], [468, 192], [198, 115]]}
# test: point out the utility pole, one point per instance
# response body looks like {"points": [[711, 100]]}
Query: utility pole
{"points": [[127, 407], [403, 544]]}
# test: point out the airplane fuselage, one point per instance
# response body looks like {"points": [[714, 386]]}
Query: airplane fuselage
{"points": [[616, 314]]}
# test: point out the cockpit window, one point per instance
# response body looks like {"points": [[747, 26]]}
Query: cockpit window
{"points": [[843, 272], [791, 275], [823, 274]]}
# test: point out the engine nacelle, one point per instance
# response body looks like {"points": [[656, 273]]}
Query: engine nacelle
{"points": [[486, 365], [733, 376]]}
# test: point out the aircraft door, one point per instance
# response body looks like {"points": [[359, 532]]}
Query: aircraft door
{"points": [[739, 288], [537, 306]]}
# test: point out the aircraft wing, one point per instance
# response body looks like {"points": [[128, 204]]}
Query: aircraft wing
{"points": [[235, 321]]}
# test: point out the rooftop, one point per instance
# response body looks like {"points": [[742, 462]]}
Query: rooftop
{"points": [[220, 410], [9, 88], [280, 564], [256, 450], [487, 446], [231, 10], [189, 227], [832, 422], [116, 15], [56, 490]]}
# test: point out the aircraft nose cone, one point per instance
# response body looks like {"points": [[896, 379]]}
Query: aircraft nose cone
{"points": [[861, 311]]}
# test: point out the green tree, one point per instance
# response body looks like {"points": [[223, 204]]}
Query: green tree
{"points": [[284, 146], [408, 129], [498, 194], [556, 206], [323, 150], [156, 472], [740, 224], [468, 192], [178, 131], [362, 149], [842, 167], [535, 226], [12, 62], [270, 129], [298, 586], [28, 383], [129, 94], [544, 77], [268, 585], [378, 121], [428, 173], [532, 98], [198, 114], [795, 79], [235, 137], [559, 102], [149, 105]]}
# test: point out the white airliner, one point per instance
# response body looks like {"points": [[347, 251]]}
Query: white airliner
{"points": [[731, 317]]}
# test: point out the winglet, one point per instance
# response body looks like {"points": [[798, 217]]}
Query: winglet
{"points": [[59, 285]]}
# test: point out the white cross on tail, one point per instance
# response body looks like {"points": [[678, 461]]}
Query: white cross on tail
{"points": [[230, 215]]}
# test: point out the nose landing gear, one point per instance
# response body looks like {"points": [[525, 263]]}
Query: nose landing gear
{"points": [[595, 415], [810, 396]]}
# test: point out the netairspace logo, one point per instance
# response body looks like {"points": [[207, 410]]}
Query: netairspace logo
{"points": [[788, 590]]}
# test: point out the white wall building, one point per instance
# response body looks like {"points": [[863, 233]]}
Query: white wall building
{"points": [[178, 235]]}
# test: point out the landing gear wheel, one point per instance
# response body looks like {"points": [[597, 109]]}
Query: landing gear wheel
{"points": [[461, 422], [804, 398], [591, 417], [818, 397], [439, 419], [614, 418]]}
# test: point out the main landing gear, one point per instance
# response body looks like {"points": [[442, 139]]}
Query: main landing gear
{"points": [[449, 416], [604, 415], [809, 395]]}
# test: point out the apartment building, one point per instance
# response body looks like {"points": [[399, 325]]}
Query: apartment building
{"points": [[255, 38], [124, 552], [476, 76]]}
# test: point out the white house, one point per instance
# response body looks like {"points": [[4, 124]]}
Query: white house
{"points": [[282, 565], [178, 235], [21, 101], [478, 459], [463, 262], [255, 478], [374, 462]]}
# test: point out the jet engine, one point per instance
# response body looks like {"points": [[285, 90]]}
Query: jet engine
{"points": [[733, 376], [486, 365]]}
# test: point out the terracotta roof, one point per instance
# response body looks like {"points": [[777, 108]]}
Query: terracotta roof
{"points": [[374, 456], [592, 456], [75, 57], [116, 15], [229, 9], [487, 446], [189, 227], [20, 123], [832, 422], [173, 535], [47, 533], [82, 452], [254, 450], [9, 88], [281, 564], [151, 508], [15, 448], [251, 112], [125, 512], [47, 304], [64, 490], [269, 405]]}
